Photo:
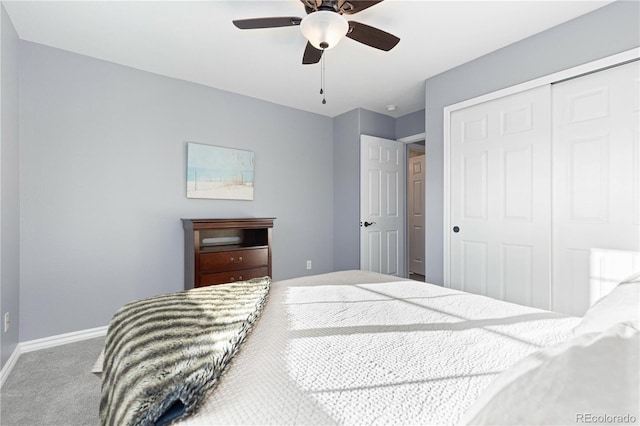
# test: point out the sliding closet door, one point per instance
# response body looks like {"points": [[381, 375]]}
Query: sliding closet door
{"points": [[500, 186], [596, 194]]}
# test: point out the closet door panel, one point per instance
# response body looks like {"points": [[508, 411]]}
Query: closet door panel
{"points": [[500, 198], [595, 170]]}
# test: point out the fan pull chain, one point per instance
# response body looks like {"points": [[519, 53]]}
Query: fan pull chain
{"points": [[322, 80]]}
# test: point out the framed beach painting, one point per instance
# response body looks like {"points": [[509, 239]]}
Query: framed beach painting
{"points": [[219, 173]]}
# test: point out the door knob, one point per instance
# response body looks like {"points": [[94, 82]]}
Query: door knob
{"points": [[366, 224], [456, 229]]}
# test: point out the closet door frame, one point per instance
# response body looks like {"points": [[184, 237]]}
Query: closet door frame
{"points": [[590, 67]]}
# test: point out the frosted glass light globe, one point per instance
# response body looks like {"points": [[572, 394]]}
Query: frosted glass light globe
{"points": [[324, 29]]}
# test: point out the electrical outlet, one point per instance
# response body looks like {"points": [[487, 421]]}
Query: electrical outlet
{"points": [[308, 264], [6, 322]]}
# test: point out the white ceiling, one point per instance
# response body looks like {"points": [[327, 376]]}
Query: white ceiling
{"points": [[196, 41]]}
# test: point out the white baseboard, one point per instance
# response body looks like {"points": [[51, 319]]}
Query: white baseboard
{"points": [[62, 339], [48, 342], [8, 366]]}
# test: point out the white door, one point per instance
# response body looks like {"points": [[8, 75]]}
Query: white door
{"points": [[596, 163], [382, 205], [500, 198], [416, 214]]}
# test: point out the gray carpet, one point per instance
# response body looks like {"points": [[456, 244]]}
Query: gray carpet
{"points": [[53, 387]]}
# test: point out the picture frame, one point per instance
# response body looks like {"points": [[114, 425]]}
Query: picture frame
{"points": [[215, 172]]}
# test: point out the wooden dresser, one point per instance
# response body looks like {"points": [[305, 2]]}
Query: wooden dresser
{"points": [[218, 251]]}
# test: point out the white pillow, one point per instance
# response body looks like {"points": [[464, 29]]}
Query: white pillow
{"points": [[596, 374], [621, 305]]}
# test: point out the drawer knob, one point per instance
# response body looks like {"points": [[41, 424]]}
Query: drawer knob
{"points": [[234, 260]]}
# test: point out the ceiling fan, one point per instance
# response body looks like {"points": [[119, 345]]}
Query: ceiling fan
{"points": [[324, 26]]}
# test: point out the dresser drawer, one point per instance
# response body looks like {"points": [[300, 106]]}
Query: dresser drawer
{"points": [[232, 260], [231, 276]]}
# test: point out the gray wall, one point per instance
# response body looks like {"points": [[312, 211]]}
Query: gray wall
{"points": [[9, 185], [346, 189], [410, 124], [603, 32], [103, 184]]}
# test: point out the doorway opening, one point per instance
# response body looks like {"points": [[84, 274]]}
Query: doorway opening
{"points": [[416, 210]]}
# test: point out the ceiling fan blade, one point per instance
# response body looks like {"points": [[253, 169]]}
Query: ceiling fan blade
{"points": [[311, 55], [311, 5], [371, 36], [278, 21], [349, 7]]}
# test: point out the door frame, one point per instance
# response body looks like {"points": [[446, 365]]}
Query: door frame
{"points": [[587, 68], [408, 141]]}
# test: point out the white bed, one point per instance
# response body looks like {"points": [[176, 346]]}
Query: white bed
{"points": [[358, 347]]}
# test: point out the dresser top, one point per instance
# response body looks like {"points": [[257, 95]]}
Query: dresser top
{"points": [[231, 219], [247, 222]]}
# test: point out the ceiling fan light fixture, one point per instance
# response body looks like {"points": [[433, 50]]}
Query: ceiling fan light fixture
{"points": [[324, 29]]}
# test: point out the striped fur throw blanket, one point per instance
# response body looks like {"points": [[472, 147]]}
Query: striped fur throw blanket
{"points": [[164, 354]]}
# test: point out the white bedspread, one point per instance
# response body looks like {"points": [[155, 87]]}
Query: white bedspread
{"points": [[353, 348]]}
